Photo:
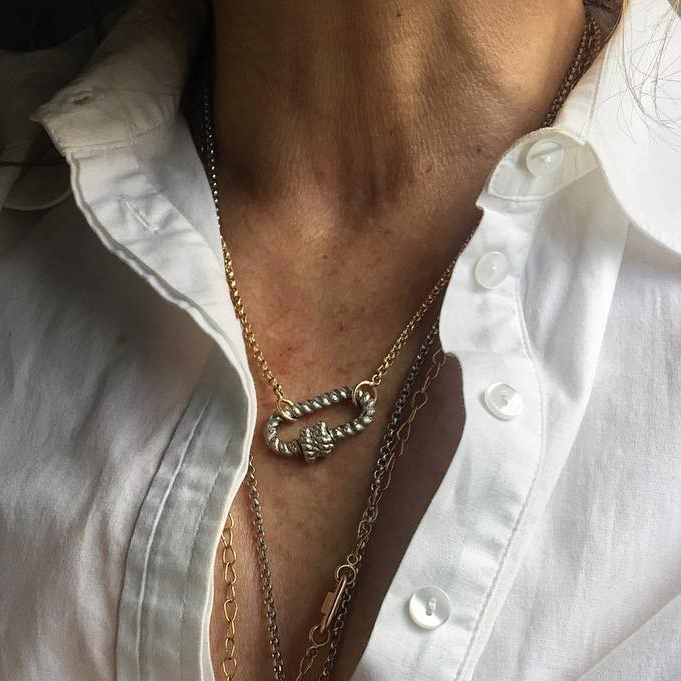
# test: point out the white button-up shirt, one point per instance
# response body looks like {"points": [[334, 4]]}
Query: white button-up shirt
{"points": [[552, 549]]}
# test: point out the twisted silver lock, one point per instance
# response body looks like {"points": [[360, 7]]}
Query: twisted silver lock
{"points": [[317, 442]]}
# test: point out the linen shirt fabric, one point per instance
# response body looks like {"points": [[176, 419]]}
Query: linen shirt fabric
{"points": [[127, 405]]}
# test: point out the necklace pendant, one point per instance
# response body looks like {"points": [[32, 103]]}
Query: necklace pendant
{"points": [[317, 442]]}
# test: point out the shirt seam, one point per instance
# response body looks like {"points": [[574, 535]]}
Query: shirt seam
{"points": [[529, 198], [183, 612], [152, 534]]}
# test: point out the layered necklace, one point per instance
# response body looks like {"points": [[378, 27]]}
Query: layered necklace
{"points": [[317, 442]]}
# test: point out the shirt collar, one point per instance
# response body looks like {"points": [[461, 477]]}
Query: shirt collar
{"points": [[134, 81], [624, 115], [26, 79], [626, 108], [632, 100]]}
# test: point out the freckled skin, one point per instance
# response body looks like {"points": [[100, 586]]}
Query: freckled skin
{"points": [[354, 139]]}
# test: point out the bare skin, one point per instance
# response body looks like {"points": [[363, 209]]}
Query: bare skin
{"points": [[354, 139]]}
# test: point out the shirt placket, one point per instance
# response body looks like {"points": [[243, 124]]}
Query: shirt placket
{"points": [[462, 560]]}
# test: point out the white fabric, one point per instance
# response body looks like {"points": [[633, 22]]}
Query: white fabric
{"points": [[127, 405]]}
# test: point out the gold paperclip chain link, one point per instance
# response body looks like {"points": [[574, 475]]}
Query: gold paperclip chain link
{"points": [[229, 606]]}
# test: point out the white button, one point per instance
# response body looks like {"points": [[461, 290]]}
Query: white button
{"points": [[545, 157], [429, 607], [503, 401], [491, 269]]}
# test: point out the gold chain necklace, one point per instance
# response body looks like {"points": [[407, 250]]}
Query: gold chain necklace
{"points": [[336, 604]]}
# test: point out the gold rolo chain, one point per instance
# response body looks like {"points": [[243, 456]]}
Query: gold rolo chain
{"points": [[246, 328], [380, 483]]}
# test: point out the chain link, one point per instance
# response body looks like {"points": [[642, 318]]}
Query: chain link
{"points": [[399, 343], [208, 140], [229, 606], [265, 573], [246, 327]]}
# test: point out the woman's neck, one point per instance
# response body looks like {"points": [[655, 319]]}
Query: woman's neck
{"points": [[356, 106], [354, 137]]}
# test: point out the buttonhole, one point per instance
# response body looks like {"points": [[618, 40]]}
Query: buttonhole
{"points": [[81, 98], [144, 221]]}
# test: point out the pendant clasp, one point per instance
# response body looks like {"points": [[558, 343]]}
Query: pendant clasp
{"points": [[317, 442], [345, 577], [331, 604]]}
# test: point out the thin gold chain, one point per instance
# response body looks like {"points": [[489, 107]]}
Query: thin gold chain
{"points": [[330, 630]]}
